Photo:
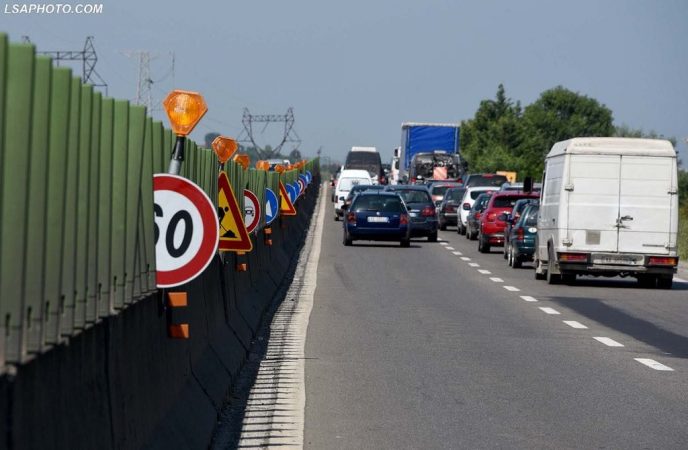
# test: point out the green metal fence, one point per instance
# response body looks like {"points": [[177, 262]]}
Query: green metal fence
{"points": [[76, 201]]}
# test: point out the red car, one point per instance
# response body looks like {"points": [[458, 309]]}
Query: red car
{"points": [[491, 230]]}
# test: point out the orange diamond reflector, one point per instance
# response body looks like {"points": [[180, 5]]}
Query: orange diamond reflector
{"points": [[224, 148], [243, 160], [184, 109], [263, 165], [279, 168]]}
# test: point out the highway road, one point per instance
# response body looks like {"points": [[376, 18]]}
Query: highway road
{"points": [[439, 346]]}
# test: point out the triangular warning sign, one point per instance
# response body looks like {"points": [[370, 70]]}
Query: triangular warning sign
{"points": [[286, 206], [233, 234]]}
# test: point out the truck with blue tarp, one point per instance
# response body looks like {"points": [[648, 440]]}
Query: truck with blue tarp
{"points": [[429, 151]]}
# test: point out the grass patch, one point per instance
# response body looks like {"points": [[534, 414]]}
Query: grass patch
{"points": [[683, 233]]}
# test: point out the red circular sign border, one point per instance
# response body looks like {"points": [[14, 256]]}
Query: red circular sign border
{"points": [[186, 273], [259, 211]]}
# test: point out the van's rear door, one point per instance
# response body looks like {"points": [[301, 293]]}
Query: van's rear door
{"points": [[645, 204], [592, 187]]}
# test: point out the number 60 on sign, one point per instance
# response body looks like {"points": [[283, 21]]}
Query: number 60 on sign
{"points": [[186, 230]]}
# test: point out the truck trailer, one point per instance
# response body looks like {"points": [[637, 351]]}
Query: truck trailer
{"points": [[429, 151]]}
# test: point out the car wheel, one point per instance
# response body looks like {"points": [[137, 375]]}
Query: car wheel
{"points": [[405, 242], [483, 247], [505, 252], [509, 259], [347, 240], [433, 237], [443, 226], [515, 261], [665, 281]]}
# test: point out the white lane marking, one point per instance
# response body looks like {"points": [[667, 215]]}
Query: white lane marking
{"points": [[465, 258], [444, 243], [457, 253], [485, 272], [474, 264], [680, 280], [511, 288], [574, 324], [528, 298], [496, 279], [282, 371], [548, 310], [651, 363], [449, 248], [608, 341]]}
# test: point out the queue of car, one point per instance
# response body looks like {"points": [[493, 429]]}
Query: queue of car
{"points": [[606, 207]]}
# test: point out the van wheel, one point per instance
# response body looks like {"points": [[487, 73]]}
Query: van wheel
{"points": [[665, 281], [483, 247], [647, 281], [551, 277]]}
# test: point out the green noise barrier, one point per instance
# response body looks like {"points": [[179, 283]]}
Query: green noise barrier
{"points": [[76, 202]]}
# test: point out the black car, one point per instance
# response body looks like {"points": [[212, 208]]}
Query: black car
{"points": [[448, 210], [478, 207], [513, 217], [421, 209]]}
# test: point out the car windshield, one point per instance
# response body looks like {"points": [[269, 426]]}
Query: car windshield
{"points": [[475, 194], [346, 184], [486, 180], [454, 194], [378, 203], [530, 219], [440, 190], [480, 202], [505, 201], [413, 196]]}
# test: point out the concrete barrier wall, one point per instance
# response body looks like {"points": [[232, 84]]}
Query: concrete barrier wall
{"points": [[124, 384]]}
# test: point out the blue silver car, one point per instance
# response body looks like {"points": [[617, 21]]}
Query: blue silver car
{"points": [[522, 237], [422, 211], [377, 216]]}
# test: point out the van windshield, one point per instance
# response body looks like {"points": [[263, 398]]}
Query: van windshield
{"points": [[346, 184], [369, 161]]}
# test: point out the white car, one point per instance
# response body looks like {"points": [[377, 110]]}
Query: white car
{"points": [[347, 179], [467, 202]]}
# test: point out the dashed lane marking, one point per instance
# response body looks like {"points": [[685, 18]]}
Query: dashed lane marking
{"points": [[465, 258], [651, 363], [444, 243], [457, 253], [484, 272], [548, 310], [511, 288], [496, 279], [474, 264], [608, 341], [528, 298], [449, 248], [575, 324]]}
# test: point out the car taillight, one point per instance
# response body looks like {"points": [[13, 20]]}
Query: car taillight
{"points": [[491, 217], [573, 257], [477, 215], [428, 211], [662, 261], [450, 208], [520, 235], [351, 217], [403, 219]]}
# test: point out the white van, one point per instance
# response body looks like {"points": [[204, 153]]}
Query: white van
{"points": [[365, 158], [609, 206], [347, 179]]}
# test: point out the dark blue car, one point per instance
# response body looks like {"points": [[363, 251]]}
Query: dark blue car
{"points": [[377, 216], [522, 237]]}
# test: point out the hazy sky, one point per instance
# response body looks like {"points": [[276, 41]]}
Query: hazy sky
{"points": [[354, 70]]}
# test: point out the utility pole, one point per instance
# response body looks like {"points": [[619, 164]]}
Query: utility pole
{"points": [[88, 58], [145, 82], [289, 135]]}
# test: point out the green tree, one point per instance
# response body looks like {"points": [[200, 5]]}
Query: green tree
{"points": [[560, 114], [491, 140]]}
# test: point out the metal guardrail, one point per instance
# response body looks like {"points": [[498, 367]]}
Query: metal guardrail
{"points": [[76, 201]]}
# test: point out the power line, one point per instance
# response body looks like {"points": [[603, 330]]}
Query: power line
{"points": [[88, 58]]}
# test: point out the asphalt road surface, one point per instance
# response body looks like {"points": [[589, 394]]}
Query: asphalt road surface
{"points": [[439, 346]]}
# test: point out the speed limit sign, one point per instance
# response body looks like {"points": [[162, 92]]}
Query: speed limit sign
{"points": [[186, 230]]}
